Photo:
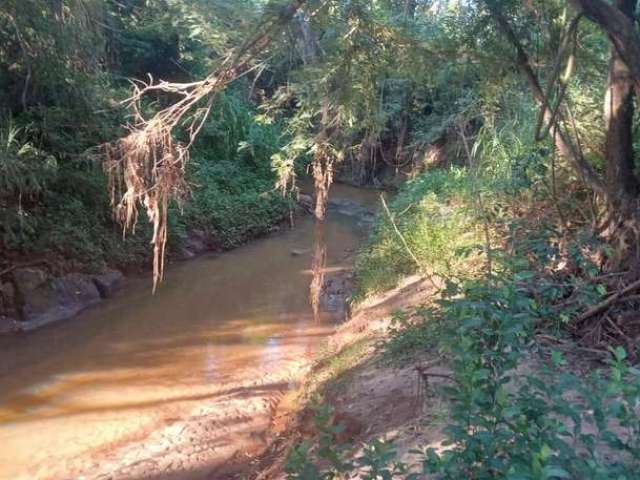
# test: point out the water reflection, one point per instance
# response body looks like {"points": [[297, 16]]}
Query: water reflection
{"points": [[217, 328], [318, 266]]}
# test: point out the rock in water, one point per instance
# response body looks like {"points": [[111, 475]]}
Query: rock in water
{"points": [[45, 299], [108, 282]]}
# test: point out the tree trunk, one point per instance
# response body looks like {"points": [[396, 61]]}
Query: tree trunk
{"points": [[622, 184], [619, 25]]}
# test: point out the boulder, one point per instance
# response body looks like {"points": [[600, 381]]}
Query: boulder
{"points": [[29, 278], [45, 299], [108, 282], [306, 202]]}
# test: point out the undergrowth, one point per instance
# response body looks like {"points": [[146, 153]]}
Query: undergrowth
{"points": [[518, 409], [46, 189], [60, 98], [432, 217]]}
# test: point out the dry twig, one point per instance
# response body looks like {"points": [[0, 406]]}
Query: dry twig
{"points": [[612, 299]]}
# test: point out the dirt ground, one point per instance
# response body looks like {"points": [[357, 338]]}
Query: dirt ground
{"points": [[370, 399]]}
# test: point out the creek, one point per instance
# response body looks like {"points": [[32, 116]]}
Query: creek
{"points": [[178, 385]]}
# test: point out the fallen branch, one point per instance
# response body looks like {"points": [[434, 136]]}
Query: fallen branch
{"points": [[405, 244], [602, 306], [570, 346]]}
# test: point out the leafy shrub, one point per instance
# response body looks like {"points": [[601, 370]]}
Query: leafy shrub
{"points": [[504, 423], [436, 218]]}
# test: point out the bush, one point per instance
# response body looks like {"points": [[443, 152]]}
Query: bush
{"points": [[436, 217]]}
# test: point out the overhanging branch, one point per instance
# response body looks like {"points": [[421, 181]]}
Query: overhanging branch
{"points": [[565, 145]]}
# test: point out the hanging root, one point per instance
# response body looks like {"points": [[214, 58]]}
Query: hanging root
{"points": [[147, 167]]}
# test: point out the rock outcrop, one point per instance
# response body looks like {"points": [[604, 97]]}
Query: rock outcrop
{"points": [[108, 282], [34, 298]]}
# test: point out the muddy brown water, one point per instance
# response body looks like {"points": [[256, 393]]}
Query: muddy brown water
{"points": [[111, 393]]}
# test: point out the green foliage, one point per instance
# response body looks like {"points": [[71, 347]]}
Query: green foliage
{"points": [[435, 216], [64, 86], [327, 459], [233, 184], [300, 463], [24, 174], [506, 424], [408, 336]]}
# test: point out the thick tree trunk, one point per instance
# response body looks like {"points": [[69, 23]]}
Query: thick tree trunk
{"points": [[619, 155], [622, 184], [619, 25]]}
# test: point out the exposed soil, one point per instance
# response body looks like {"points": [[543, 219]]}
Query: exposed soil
{"points": [[182, 385], [403, 412]]}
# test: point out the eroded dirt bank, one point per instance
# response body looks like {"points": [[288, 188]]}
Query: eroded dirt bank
{"points": [[370, 399]]}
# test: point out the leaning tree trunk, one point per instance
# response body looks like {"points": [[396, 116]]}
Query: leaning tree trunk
{"points": [[563, 141], [620, 184], [619, 25]]}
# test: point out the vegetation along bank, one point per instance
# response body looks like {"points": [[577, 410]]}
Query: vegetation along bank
{"points": [[494, 330]]}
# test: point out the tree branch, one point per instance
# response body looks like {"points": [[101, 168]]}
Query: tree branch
{"points": [[618, 26], [563, 142]]}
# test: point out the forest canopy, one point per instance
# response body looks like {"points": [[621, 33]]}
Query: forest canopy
{"points": [[357, 83]]}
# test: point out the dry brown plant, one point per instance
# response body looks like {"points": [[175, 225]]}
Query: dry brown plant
{"points": [[147, 167]]}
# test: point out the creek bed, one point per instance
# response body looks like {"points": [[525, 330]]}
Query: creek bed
{"points": [[171, 386]]}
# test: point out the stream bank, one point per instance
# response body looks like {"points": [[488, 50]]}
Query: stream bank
{"points": [[34, 294], [369, 398]]}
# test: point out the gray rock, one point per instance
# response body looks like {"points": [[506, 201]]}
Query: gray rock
{"points": [[350, 209], [29, 278], [54, 299], [186, 254], [108, 282], [306, 202], [8, 325], [335, 293]]}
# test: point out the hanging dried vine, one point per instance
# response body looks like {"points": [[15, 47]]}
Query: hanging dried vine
{"points": [[147, 167]]}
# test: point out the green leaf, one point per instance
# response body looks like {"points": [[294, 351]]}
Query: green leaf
{"points": [[551, 471]]}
